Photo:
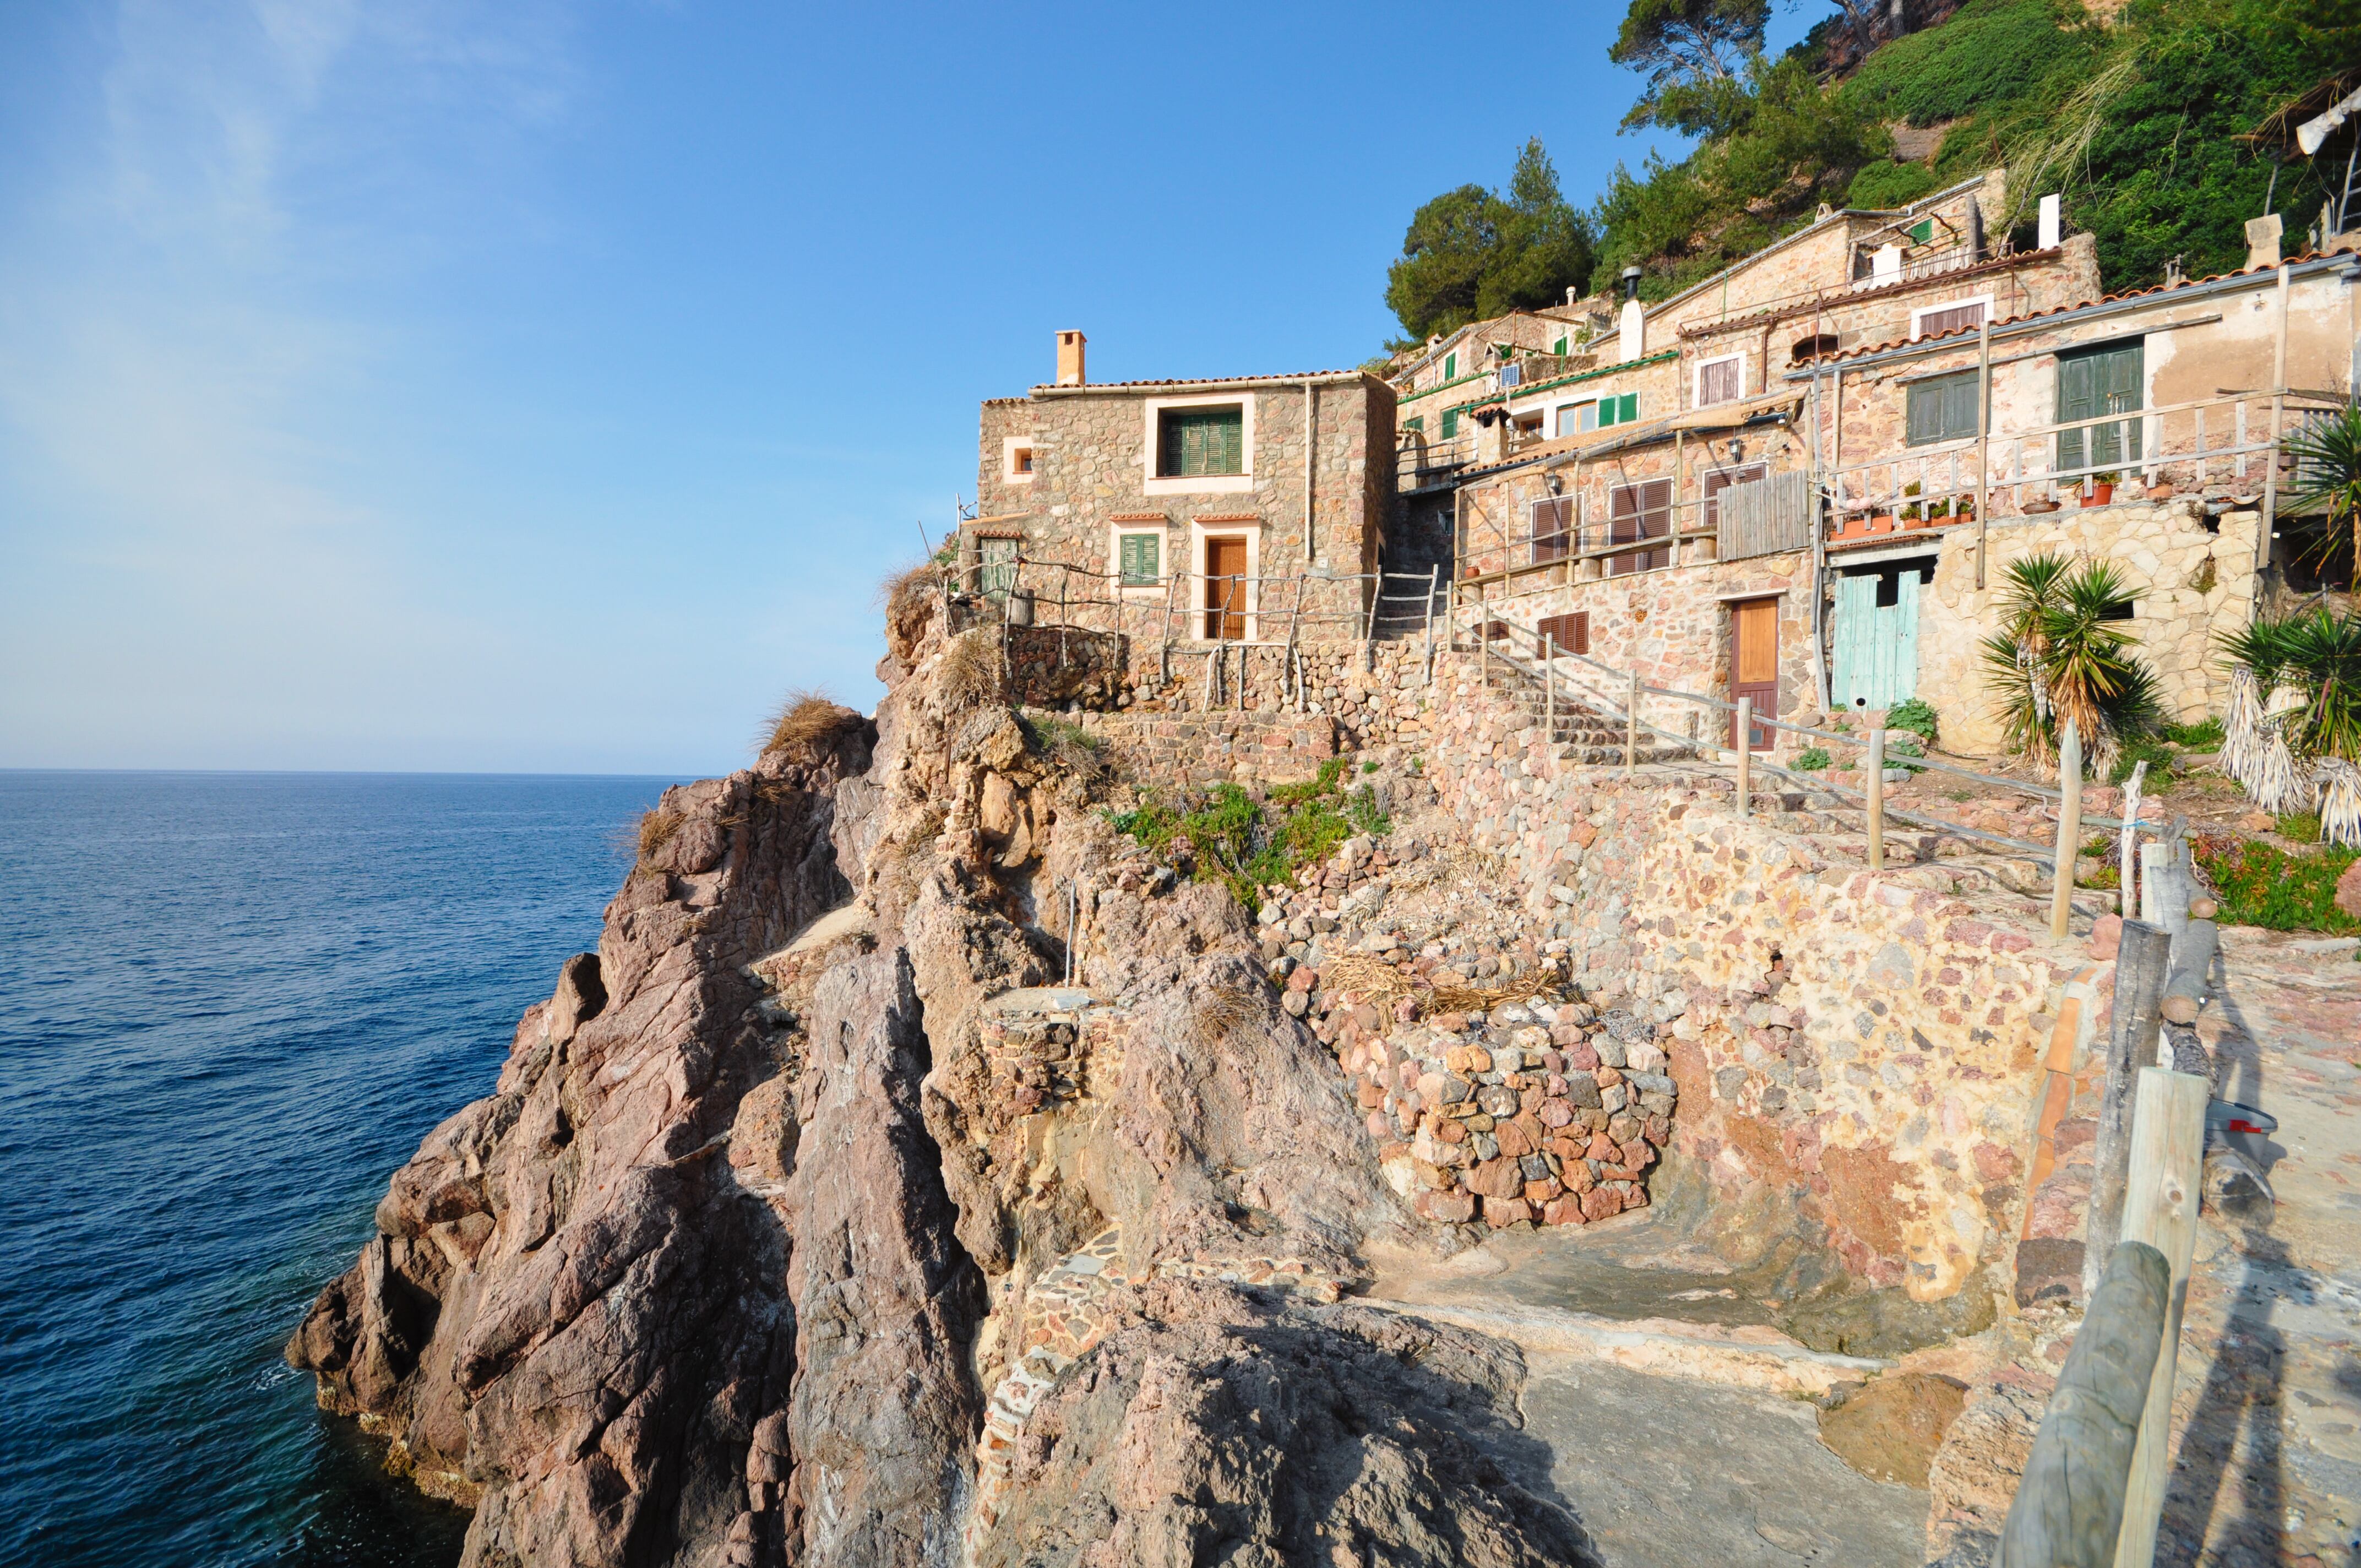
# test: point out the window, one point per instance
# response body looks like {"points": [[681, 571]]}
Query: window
{"points": [[1558, 345], [1940, 408], [1639, 511], [1195, 441], [1450, 424], [996, 560], [1720, 381], [1617, 410], [1024, 463], [1529, 425], [1570, 633], [1571, 420], [2099, 381], [1553, 529], [1936, 319], [1139, 559], [1922, 232], [1017, 464], [1450, 366], [1416, 423]]}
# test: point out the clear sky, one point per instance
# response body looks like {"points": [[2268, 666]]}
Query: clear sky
{"points": [[538, 387]]}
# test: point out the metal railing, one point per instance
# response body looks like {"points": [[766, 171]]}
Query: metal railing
{"points": [[1421, 460]]}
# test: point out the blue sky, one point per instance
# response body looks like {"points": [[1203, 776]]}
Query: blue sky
{"points": [[547, 387]]}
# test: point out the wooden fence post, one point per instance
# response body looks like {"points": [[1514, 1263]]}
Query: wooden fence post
{"points": [[2069, 829], [2068, 1508], [1876, 800], [2161, 1209], [1549, 686], [1631, 724], [1745, 751], [2142, 962]]}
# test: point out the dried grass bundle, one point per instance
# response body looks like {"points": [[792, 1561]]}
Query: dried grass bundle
{"points": [[656, 828], [968, 675], [2242, 730], [809, 718], [2278, 787], [2340, 801]]}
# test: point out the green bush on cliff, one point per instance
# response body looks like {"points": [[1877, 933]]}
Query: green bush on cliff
{"points": [[2261, 884], [1246, 846]]}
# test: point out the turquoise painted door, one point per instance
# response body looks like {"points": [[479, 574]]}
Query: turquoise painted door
{"points": [[1876, 663]]}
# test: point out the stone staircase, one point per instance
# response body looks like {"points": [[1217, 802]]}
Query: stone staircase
{"points": [[1582, 733]]}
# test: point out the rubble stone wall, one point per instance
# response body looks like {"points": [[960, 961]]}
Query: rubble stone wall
{"points": [[1867, 1041], [2195, 577]]}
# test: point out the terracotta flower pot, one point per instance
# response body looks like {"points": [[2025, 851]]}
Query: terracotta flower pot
{"points": [[2162, 493], [1881, 523], [2041, 506], [2099, 495]]}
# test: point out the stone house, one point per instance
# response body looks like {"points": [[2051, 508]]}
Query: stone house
{"points": [[1852, 356], [1244, 508]]}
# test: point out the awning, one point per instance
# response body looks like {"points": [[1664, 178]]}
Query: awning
{"points": [[1746, 410], [2313, 132]]}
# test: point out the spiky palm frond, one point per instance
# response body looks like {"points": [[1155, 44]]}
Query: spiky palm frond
{"points": [[2325, 659], [2340, 800], [2327, 453], [2061, 653]]}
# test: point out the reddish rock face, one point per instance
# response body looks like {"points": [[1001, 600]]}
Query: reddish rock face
{"points": [[2348, 891], [2106, 936]]}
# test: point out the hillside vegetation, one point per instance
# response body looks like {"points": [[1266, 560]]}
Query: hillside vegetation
{"points": [[2136, 120]]}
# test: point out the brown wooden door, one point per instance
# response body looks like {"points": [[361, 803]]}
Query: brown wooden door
{"points": [[1754, 664], [1225, 589]]}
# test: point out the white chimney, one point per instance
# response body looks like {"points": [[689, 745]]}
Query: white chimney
{"points": [[2263, 240], [1070, 358], [2051, 223], [1885, 264], [1634, 322]]}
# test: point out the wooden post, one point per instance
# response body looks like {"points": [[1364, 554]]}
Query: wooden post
{"points": [[2069, 829], [2125, 876], [1876, 799], [2160, 1210], [2192, 971], [2271, 461], [1549, 686], [2069, 1507], [1745, 750], [1631, 724], [1433, 573], [1484, 640], [2141, 966], [1983, 437]]}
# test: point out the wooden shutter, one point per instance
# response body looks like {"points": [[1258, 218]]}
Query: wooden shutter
{"points": [[1552, 528], [1450, 424], [1572, 633], [1634, 512], [1140, 560], [1627, 408], [2102, 381], [1450, 367], [1718, 382], [1416, 421], [1934, 323], [1200, 441]]}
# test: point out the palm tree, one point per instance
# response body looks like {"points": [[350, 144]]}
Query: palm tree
{"points": [[2327, 453], [2061, 653]]}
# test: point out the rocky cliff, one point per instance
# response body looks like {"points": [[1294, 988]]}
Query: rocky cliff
{"points": [[808, 1221]]}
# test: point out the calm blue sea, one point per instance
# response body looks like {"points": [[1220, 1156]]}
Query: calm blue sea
{"points": [[230, 1004]]}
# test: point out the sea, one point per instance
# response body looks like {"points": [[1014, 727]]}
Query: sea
{"points": [[230, 1005]]}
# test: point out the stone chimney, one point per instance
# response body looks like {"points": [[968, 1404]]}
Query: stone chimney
{"points": [[2263, 240], [1070, 358], [1634, 323]]}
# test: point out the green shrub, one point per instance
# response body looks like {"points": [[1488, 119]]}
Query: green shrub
{"points": [[2158, 758], [1901, 749], [1812, 758], [1913, 715], [1239, 842], [2261, 884], [2204, 736], [2302, 827], [1883, 184]]}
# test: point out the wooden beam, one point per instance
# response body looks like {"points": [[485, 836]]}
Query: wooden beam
{"points": [[2160, 1211], [2141, 964]]}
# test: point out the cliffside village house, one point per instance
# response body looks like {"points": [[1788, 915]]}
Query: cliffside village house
{"points": [[1800, 481]]}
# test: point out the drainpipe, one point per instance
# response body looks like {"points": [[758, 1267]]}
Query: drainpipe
{"points": [[1984, 438], [2271, 473], [1310, 553]]}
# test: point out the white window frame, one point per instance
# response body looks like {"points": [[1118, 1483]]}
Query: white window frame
{"points": [[1202, 600], [1696, 379], [1152, 409], [1163, 531], [1009, 447], [1919, 313]]}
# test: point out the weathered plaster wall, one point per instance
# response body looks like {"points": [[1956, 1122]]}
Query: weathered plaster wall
{"points": [[2195, 585]]}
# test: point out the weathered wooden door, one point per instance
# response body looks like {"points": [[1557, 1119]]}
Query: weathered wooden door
{"points": [[1876, 653], [1754, 665], [1226, 588]]}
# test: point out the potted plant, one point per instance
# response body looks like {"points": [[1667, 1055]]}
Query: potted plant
{"points": [[2102, 488], [1910, 509]]}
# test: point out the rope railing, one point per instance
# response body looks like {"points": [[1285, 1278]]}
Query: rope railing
{"points": [[1545, 668]]}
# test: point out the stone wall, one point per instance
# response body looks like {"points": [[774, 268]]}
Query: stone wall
{"points": [[1864, 1041], [2196, 579], [1093, 473]]}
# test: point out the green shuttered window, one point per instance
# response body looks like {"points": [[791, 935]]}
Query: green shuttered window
{"points": [[1618, 410], [1941, 408], [2101, 381], [1141, 560], [1202, 442], [1450, 424]]}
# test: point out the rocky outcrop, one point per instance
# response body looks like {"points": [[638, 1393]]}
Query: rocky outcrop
{"points": [[803, 1193]]}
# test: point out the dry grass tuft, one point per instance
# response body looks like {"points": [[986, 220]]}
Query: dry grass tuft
{"points": [[809, 718], [1374, 980], [1221, 1010], [970, 675], [909, 596], [656, 828]]}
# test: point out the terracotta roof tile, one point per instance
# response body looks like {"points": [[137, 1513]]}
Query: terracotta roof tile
{"points": [[1968, 332]]}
